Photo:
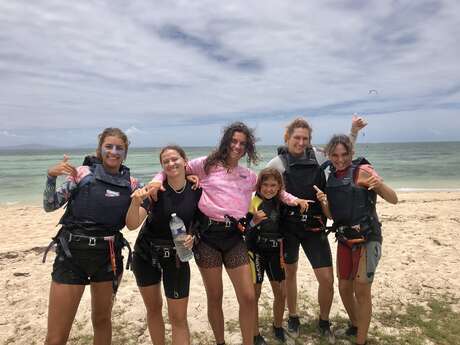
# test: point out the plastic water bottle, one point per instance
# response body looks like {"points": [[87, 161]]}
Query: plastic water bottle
{"points": [[179, 233]]}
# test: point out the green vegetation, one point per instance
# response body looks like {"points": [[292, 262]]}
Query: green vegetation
{"points": [[433, 320]]}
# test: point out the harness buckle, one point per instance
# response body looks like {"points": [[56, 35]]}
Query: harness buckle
{"points": [[304, 218], [228, 223], [92, 241], [274, 243], [166, 253]]}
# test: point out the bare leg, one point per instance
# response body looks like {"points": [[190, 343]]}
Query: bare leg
{"points": [[325, 277], [177, 312], [154, 303], [63, 304], [212, 279], [364, 298], [347, 295], [257, 290], [101, 312], [291, 288], [279, 294], [244, 288]]}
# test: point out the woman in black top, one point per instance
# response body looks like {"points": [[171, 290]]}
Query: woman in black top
{"points": [[154, 252]]}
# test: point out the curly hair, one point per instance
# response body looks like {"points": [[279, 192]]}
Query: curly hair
{"points": [[220, 154], [338, 139]]}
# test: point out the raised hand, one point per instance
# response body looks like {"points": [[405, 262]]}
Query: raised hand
{"points": [[139, 195], [63, 168], [320, 195], [357, 123], [258, 217], [153, 187], [373, 182]]}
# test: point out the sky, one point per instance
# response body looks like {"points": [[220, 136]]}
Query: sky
{"points": [[178, 71]]}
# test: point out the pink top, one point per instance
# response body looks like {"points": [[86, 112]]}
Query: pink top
{"points": [[225, 191]]}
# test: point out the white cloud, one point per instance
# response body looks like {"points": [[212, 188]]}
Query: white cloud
{"points": [[89, 65]]}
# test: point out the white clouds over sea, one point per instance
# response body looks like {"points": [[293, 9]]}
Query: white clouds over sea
{"points": [[176, 71]]}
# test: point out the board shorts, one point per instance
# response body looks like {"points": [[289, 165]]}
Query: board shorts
{"points": [[359, 262]]}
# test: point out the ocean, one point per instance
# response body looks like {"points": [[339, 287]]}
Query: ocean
{"points": [[404, 166]]}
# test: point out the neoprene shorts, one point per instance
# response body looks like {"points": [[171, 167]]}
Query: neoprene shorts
{"points": [[176, 280], [86, 266], [314, 244], [268, 262]]}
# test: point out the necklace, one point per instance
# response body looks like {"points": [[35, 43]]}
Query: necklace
{"points": [[180, 191]]}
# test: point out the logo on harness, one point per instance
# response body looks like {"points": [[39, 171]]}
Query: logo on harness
{"points": [[111, 194]]}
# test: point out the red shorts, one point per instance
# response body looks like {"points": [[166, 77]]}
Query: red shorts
{"points": [[359, 262]]}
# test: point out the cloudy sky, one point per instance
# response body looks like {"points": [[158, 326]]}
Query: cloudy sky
{"points": [[177, 71]]}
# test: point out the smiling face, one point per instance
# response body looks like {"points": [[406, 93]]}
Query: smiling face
{"points": [[298, 141], [113, 152], [237, 147], [340, 157], [173, 163], [269, 188]]}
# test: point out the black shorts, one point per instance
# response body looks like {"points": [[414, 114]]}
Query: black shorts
{"points": [[314, 244], [176, 280], [268, 262], [88, 265]]}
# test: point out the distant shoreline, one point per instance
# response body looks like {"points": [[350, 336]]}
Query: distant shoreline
{"points": [[401, 191], [39, 147]]}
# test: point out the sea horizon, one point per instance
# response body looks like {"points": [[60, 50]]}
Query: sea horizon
{"points": [[406, 167]]}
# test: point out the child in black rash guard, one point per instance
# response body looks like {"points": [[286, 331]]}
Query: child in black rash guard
{"points": [[265, 244]]}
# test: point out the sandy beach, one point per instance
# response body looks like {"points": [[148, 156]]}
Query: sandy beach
{"points": [[420, 258]]}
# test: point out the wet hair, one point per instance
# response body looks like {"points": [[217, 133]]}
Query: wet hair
{"points": [[267, 173], [296, 123], [220, 155], [111, 132], [339, 139], [176, 148]]}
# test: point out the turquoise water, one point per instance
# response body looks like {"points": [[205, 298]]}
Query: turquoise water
{"points": [[404, 166]]}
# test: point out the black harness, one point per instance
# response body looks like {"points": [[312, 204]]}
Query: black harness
{"points": [[93, 232]]}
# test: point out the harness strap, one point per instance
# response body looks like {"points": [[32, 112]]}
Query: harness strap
{"points": [[282, 262]]}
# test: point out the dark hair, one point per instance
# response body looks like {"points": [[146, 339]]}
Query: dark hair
{"points": [[339, 139], [220, 154], [296, 123], [267, 173], [176, 148], [111, 132]]}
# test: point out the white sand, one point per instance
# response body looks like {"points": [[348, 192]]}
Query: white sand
{"points": [[420, 257]]}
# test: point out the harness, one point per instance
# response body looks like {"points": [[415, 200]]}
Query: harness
{"points": [[314, 223], [352, 207], [86, 224], [300, 175], [69, 237]]}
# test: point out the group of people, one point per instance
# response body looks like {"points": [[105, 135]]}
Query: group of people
{"points": [[228, 225]]}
